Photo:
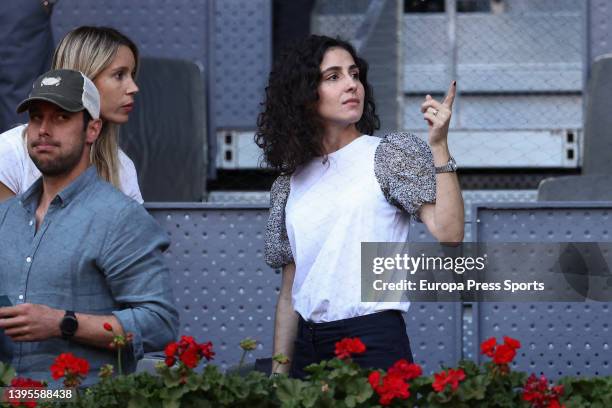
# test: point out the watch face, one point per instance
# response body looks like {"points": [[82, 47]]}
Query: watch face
{"points": [[69, 325]]}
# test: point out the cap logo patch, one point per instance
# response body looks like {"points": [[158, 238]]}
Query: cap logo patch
{"points": [[51, 81]]}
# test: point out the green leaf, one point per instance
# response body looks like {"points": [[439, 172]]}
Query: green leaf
{"points": [[288, 390], [364, 392], [350, 401], [171, 404], [7, 373], [310, 396], [138, 402]]}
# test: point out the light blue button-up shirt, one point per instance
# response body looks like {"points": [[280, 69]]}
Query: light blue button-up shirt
{"points": [[96, 252]]}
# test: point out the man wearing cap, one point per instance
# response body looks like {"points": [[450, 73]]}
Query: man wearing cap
{"points": [[76, 253]]}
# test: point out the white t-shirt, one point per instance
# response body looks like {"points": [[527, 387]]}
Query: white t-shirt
{"points": [[365, 192], [18, 172]]}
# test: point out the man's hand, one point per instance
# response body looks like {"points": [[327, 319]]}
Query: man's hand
{"points": [[30, 322]]}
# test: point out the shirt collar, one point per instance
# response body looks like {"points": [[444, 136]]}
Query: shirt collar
{"points": [[30, 196]]}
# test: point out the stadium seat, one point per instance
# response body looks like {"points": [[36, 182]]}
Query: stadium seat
{"points": [[166, 135], [576, 188], [598, 121]]}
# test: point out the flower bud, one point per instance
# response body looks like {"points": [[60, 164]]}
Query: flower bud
{"points": [[248, 344]]}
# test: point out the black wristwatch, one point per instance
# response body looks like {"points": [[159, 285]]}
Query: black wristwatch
{"points": [[69, 325]]}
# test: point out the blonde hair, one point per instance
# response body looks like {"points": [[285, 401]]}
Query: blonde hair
{"points": [[90, 50]]}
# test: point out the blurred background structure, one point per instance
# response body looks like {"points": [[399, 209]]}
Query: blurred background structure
{"points": [[522, 69], [535, 86]]}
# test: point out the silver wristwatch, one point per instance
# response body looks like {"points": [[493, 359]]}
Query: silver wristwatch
{"points": [[449, 167]]}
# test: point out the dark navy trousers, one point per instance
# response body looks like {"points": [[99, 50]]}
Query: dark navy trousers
{"points": [[383, 333]]}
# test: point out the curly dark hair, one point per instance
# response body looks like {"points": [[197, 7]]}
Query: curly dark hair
{"points": [[289, 129]]}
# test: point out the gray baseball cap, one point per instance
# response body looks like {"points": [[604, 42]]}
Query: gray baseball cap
{"points": [[68, 89]]}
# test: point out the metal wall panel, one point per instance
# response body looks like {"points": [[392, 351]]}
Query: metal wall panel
{"points": [[374, 28], [514, 6], [510, 112], [512, 52], [344, 26], [420, 233], [514, 149], [225, 292], [472, 197], [554, 148], [176, 29], [237, 150], [557, 338], [181, 29], [243, 52], [380, 44], [223, 289], [600, 28], [435, 332]]}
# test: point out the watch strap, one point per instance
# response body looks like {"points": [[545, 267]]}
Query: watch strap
{"points": [[449, 167]]}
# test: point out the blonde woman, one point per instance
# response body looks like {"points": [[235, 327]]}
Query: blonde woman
{"points": [[110, 59]]}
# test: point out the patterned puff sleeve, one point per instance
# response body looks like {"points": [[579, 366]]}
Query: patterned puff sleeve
{"points": [[403, 165], [278, 249]]}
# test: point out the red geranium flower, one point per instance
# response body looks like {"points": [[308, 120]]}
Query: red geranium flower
{"points": [[206, 350], [171, 349], [488, 346], [186, 341], [405, 369], [190, 356], [346, 347], [393, 386], [374, 379], [512, 343], [188, 352], [72, 368], [20, 382], [394, 383], [504, 354], [540, 395], [452, 377]]}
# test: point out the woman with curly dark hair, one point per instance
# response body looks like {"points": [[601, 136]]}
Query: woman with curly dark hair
{"points": [[340, 186]]}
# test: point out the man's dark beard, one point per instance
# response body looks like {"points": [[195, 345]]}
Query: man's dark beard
{"points": [[61, 165]]}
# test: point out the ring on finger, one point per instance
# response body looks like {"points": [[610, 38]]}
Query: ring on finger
{"points": [[435, 112]]}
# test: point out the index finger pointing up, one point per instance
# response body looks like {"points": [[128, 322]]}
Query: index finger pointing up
{"points": [[450, 95]]}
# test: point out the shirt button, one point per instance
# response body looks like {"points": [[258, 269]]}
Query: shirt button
{"points": [[28, 259], [31, 222], [20, 297]]}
